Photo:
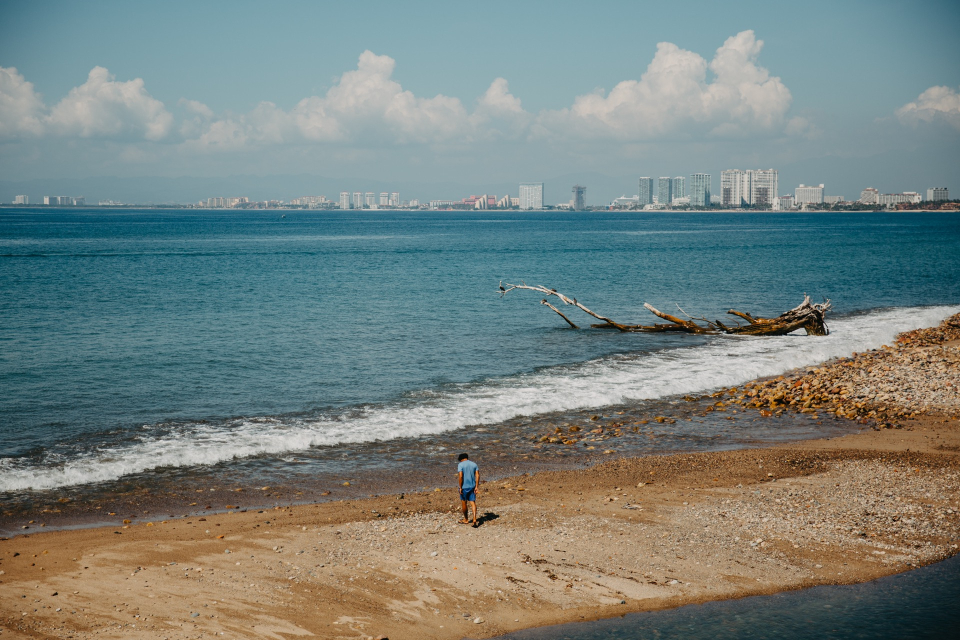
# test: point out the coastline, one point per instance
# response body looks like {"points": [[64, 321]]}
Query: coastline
{"points": [[626, 535]]}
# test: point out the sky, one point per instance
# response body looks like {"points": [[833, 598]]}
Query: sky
{"points": [[851, 94]]}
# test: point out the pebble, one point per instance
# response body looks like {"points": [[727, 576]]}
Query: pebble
{"points": [[917, 376]]}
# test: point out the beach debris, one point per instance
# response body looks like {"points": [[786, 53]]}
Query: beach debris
{"points": [[807, 315]]}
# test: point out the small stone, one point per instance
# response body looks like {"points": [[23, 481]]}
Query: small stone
{"points": [[194, 615], [433, 554], [226, 550], [478, 621]]}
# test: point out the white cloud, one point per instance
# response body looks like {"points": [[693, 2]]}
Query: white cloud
{"points": [[103, 107], [499, 113], [674, 98], [366, 105], [934, 104], [21, 109], [368, 109]]}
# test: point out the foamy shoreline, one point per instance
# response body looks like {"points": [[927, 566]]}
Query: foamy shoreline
{"points": [[628, 535], [596, 384]]}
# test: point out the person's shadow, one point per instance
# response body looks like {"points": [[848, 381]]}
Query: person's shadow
{"points": [[486, 517]]}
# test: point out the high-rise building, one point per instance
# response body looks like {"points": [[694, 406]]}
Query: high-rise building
{"points": [[764, 185], [384, 199], [732, 187], [808, 195], [678, 188], [700, 190], [579, 202], [531, 195], [645, 193], [753, 187], [357, 200], [934, 194], [395, 199], [370, 199], [664, 191], [21, 200], [869, 196], [344, 199]]}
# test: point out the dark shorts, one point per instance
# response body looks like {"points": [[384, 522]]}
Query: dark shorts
{"points": [[468, 495]]}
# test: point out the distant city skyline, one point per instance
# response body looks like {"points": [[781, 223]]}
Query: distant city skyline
{"points": [[751, 188], [407, 100]]}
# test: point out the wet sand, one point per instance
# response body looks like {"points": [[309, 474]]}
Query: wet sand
{"points": [[625, 535]]}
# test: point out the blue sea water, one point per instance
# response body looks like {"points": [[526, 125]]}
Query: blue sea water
{"points": [[137, 340], [917, 604]]}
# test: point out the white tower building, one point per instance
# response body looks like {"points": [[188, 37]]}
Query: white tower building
{"points": [[531, 195]]}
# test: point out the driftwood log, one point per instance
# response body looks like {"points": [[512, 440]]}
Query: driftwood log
{"points": [[807, 316]]}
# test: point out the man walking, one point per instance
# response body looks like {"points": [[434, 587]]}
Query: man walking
{"points": [[468, 479]]}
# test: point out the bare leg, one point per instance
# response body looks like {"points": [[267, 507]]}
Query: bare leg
{"points": [[463, 506], [473, 505]]}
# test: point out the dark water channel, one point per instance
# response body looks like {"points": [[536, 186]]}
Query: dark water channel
{"points": [[917, 604]]}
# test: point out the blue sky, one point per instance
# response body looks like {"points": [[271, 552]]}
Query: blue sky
{"points": [[249, 88]]}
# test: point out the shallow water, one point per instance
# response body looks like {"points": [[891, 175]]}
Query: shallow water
{"points": [[916, 604]]}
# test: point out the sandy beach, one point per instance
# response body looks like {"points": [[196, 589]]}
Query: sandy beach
{"points": [[626, 535]]}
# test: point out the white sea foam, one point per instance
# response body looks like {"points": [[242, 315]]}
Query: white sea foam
{"points": [[723, 361]]}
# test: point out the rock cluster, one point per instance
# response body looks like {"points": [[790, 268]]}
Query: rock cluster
{"points": [[918, 376]]}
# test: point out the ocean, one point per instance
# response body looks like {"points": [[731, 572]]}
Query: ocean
{"points": [[140, 348]]}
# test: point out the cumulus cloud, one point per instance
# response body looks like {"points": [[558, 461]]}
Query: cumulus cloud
{"points": [[366, 105], [266, 124], [499, 113], [100, 107], [103, 107], [21, 109], [933, 105], [368, 108], [674, 97]]}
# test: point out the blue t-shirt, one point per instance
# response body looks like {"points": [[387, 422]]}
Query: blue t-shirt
{"points": [[469, 470]]}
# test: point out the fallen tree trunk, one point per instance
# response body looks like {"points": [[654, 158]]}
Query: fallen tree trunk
{"points": [[807, 316]]}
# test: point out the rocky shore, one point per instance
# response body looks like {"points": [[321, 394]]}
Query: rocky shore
{"points": [[916, 376], [626, 535]]}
